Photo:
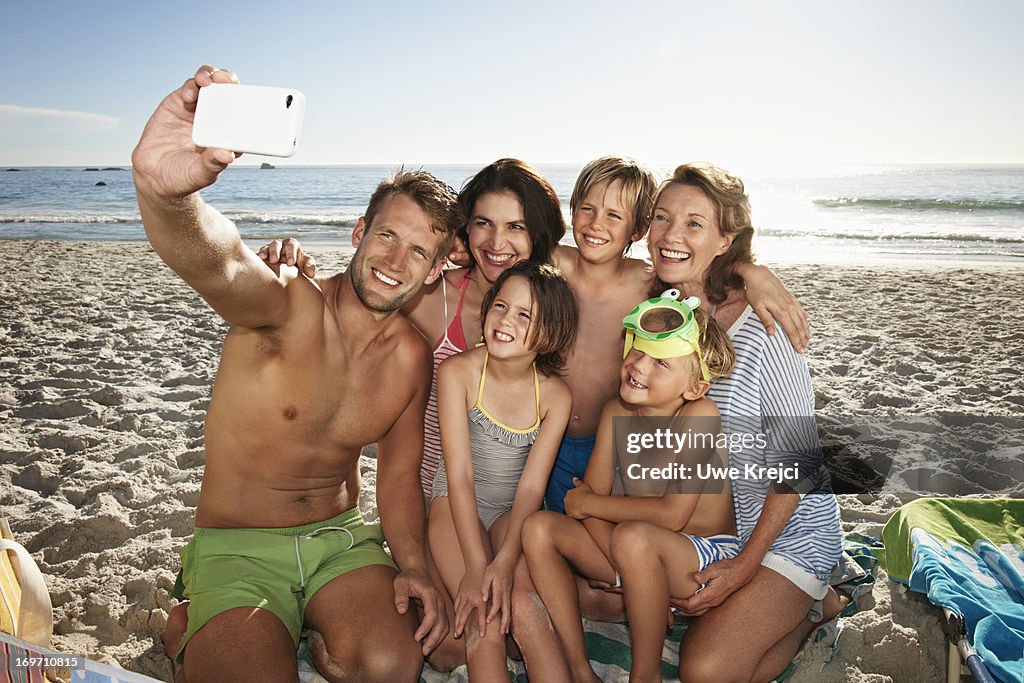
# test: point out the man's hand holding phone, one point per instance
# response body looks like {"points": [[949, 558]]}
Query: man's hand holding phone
{"points": [[204, 125], [166, 163]]}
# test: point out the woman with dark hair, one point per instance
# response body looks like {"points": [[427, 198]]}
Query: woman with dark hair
{"points": [[512, 214]]}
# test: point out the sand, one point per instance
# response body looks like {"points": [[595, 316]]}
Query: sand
{"points": [[107, 359]]}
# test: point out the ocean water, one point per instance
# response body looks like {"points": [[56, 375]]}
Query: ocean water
{"points": [[860, 215]]}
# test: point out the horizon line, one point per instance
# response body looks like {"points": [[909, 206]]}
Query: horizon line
{"points": [[278, 164]]}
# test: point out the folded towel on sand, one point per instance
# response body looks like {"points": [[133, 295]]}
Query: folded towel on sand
{"points": [[966, 555]]}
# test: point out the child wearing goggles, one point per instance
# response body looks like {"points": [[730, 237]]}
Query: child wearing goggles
{"points": [[637, 523]]}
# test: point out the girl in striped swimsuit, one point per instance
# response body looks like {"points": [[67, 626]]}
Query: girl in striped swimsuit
{"points": [[503, 410]]}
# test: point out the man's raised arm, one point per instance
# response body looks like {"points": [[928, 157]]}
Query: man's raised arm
{"points": [[193, 238]]}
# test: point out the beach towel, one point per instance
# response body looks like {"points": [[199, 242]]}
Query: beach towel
{"points": [[26, 626], [966, 555]]}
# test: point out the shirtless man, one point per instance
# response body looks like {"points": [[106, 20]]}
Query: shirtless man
{"points": [[311, 371]]}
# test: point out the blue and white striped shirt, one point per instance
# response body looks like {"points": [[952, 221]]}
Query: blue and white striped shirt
{"points": [[771, 380]]}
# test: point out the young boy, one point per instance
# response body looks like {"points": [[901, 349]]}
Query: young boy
{"points": [[610, 207], [666, 371]]}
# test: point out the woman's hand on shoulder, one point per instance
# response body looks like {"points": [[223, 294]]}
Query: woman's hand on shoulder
{"points": [[771, 301], [288, 252], [459, 255]]}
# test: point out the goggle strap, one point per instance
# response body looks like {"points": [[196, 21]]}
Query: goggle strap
{"points": [[705, 373]]}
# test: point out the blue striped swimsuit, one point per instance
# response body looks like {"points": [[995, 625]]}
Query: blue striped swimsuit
{"points": [[771, 379]]}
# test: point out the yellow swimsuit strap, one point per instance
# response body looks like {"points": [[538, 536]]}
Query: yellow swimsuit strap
{"points": [[480, 394]]}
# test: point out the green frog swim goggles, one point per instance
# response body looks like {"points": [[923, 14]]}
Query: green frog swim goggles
{"points": [[664, 327]]}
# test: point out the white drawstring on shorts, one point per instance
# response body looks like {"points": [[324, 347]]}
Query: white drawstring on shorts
{"points": [[298, 555]]}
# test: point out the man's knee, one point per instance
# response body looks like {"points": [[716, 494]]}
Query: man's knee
{"points": [[253, 644], [395, 660], [698, 670], [174, 630]]}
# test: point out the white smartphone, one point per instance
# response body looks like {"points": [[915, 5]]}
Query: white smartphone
{"points": [[249, 118]]}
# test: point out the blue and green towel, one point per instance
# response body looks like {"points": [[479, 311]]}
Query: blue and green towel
{"points": [[966, 554]]}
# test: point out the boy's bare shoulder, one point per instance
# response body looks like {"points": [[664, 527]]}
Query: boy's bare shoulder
{"points": [[702, 407], [615, 408], [554, 388], [639, 271], [564, 258]]}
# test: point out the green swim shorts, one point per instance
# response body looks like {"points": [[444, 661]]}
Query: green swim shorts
{"points": [[278, 570]]}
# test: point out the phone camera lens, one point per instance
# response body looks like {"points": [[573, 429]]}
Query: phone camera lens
{"points": [[288, 102]]}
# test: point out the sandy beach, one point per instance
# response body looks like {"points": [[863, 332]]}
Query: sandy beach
{"points": [[107, 361]]}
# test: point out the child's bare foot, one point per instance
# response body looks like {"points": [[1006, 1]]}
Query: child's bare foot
{"points": [[322, 659], [833, 603], [174, 631]]}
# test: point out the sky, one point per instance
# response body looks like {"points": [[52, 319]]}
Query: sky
{"points": [[745, 85]]}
